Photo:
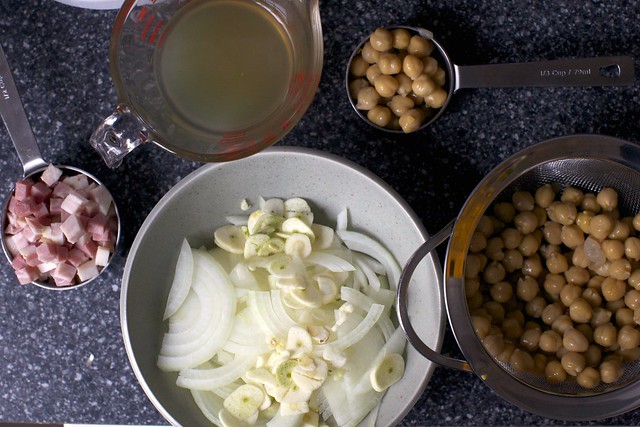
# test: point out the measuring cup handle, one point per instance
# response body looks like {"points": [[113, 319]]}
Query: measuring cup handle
{"points": [[16, 121], [599, 71], [118, 135], [402, 302]]}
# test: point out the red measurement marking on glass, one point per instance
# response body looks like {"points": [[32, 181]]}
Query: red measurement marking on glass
{"points": [[156, 30], [143, 35]]}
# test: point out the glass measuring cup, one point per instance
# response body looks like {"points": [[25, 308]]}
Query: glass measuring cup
{"points": [[598, 71], [183, 72], [17, 124]]}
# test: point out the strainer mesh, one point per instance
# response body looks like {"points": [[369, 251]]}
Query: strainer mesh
{"points": [[587, 174]]}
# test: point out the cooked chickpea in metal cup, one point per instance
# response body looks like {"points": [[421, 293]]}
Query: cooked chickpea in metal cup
{"points": [[555, 285], [395, 69]]}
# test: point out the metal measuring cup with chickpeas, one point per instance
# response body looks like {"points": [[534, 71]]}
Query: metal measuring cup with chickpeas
{"points": [[552, 283], [395, 81]]}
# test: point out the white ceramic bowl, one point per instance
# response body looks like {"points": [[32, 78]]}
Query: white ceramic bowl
{"points": [[201, 201]]}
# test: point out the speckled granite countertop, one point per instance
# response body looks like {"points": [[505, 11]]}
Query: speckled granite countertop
{"points": [[61, 353]]}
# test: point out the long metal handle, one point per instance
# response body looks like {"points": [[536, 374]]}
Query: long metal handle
{"points": [[16, 122], [402, 302], [602, 71]]}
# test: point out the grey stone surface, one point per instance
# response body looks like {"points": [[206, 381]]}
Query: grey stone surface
{"points": [[61, 353]]}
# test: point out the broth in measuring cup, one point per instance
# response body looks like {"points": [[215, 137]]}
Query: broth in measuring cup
{"points": [[224, 65]]}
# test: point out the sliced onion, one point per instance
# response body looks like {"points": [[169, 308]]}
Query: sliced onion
{"points": [[209, 403], [181, 280], [357, 333], [331, 262], [260, 303], [362, 243], [372, 278], [209, 379]]}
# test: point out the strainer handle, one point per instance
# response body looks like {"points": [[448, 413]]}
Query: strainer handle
{"points": [[402, 303]]}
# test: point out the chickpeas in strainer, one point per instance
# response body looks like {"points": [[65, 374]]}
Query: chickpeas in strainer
{"points": [[542, 279]]}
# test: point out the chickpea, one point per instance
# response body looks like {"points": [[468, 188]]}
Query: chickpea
{"points": [[557, 263], [517, 315], [553, 283], [606, 335], [613, 249], [494, 272], [583, 219], [588, 378], [573, 363], [529, 245], [527, 288], [511, 237], [440, 76], [539, 363], [607, 198], [494, 344], [379, 115], [620, 269], [541, 214], [507, 351], [411, 120], [586, 330], [590, 203], [544, 196], [385, 85], [521, 361], [630, 355], [563, 213], [372, 73], [535, 307], [437, 98], [369, 54], [389, 63], [632, 299], [562, 324], [579, 258], [580, 311], [572, 195], [600, 316], [600, 226], [356, 86], [400, 105], [621, 230], [419, 46], [404, 85], [358, 67], [485, 226], [495, 309], [636, 222], [572, 236], [368, 98], [401, 38], [523, 201], [532, 266], [501, 292], [611, 370], [511, 328], [413, 67], [574, 340], [554, 373], [512, 260], [593, 355], [504, 211], [550, 341], [475, 301], [423, 85], [552, 232], [417, 99], [615, 305], [613, 289], [494, 248], [634, 279], [636, 316], [430, 65], [624, 316], [632, 248], [628, 337], [592, 296], [577, 275], [526, 222], [569, 293], [481, 325], [381, 39], [530, 339]]}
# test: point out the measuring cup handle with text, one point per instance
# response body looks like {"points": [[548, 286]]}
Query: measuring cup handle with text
{"points": [[602, 71], [402, 302], [118, 135]]}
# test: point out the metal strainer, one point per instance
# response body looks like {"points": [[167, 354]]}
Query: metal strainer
{"points": [[588, 162]]}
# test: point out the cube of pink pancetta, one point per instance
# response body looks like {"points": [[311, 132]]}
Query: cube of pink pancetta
{"points": [[62, 190], [64, 272], [102, 256], [73, 228], [77, 182], [101, 196], [47, 252], [40, 191], [76, 257], [27, 275], [51, 175], [23, 189], [87, 270], [73, 203]]}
